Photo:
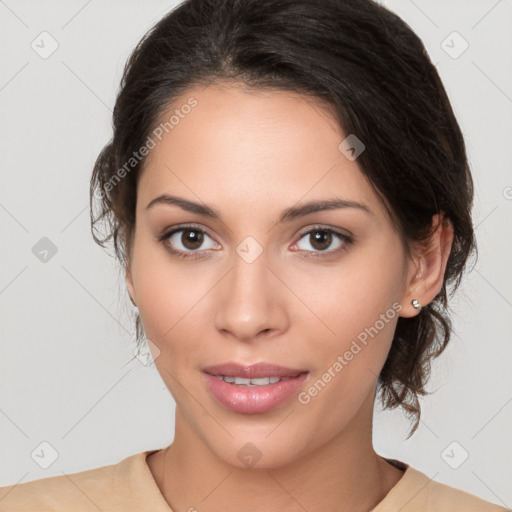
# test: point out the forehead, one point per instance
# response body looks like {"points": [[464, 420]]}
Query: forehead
{"points": [[248, 149]]}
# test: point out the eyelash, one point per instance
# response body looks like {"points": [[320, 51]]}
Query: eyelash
{"points": [[191, 255]]}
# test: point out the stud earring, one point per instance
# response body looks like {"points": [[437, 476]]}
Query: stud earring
{"points": [[416, 304]]}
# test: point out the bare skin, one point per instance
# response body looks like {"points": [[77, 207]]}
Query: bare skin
{"points": [[250, 156]]}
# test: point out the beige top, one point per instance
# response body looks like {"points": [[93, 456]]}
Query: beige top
{"points": [[129, 486]]}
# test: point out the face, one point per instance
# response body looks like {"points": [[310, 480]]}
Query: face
{"points": [[316, 292]]}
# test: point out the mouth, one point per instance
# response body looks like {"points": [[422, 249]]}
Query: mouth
{"points": [[261, 381], [251, 389]]}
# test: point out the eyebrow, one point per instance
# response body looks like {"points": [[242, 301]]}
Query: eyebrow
{"points": [[286, 216]]}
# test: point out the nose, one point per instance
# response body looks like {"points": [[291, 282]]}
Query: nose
{"points": [[251, 301]]}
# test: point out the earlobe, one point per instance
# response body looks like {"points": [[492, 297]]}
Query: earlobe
{"points": [[430, 266]]}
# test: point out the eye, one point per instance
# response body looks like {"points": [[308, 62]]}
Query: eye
{"points": [[324, 241], [187, 241], [184, 241]]}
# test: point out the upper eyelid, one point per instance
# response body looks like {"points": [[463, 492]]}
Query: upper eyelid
{"points": [[344, 237], [176, 229]]}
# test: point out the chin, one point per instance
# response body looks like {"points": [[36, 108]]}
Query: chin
{"points": [[260, 451]]}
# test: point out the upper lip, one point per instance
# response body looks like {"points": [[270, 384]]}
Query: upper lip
{"points": [[252, 371]]}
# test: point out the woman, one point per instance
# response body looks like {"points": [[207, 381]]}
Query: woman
{"points": [[288, 192]]}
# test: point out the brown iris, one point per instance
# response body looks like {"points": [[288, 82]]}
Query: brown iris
{"points": [[321, 239], [192, 238]]}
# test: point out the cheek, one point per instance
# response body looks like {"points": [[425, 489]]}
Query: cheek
{"points": [[362, 291], [360, 305], [172, 314], [168, 298], [347, 363]]}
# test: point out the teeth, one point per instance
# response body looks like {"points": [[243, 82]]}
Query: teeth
{"points": [[263, 381], [242, 381]]}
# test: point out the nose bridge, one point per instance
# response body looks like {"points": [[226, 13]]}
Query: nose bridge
{"points": [[248, 304]]}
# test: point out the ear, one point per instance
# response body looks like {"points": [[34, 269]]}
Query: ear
{"points": [[428, 266], [129, 284]]}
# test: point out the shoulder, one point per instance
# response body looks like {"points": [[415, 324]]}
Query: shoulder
{"points": [[89, 490], [416, 492], [54, 493]]}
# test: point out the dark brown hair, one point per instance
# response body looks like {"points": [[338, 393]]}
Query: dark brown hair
{"points": [[369, 68]]}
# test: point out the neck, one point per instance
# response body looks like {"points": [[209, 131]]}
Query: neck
{"points": [[344, 474]]}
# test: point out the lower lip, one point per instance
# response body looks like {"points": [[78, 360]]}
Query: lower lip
{"points": [[252, 400]]}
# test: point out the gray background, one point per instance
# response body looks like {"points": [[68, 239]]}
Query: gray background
{"points": [[68, 377]]}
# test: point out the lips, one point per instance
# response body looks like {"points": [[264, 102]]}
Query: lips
{"points": [[254, 371], [243, 388]]}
